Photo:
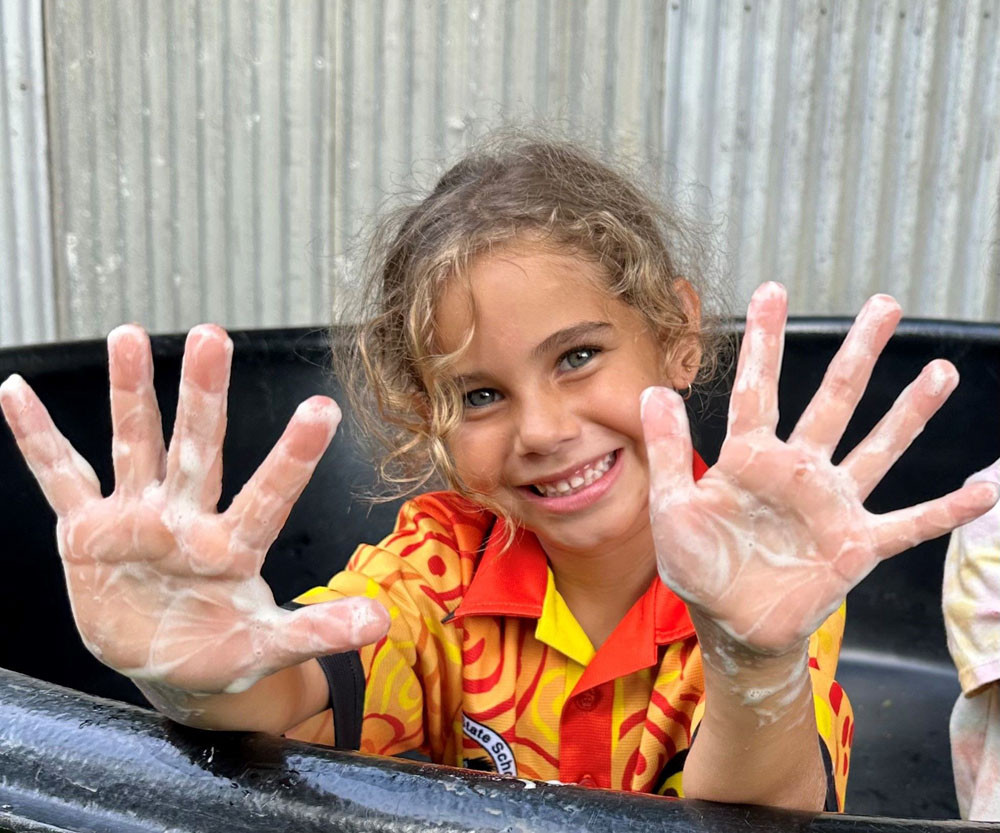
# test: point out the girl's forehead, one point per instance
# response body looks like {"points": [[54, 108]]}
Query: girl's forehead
{"points": [[519, 296], [524, 268]]}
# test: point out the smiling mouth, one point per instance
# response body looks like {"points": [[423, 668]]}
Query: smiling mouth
{"points": [[580, 479]]}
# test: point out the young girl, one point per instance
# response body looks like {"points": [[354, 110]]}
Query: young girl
{"points": [[531, 333], [972, 617]]}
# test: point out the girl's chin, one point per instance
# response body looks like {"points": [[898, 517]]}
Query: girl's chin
{"points": [[584, 540]]}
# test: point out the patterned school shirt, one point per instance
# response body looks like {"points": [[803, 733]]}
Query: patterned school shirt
{"points": [[484, 665]]}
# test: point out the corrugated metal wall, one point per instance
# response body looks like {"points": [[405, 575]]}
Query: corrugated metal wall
{"points": [[27, 296], [215, 160], [191, 149], [843, 147]]}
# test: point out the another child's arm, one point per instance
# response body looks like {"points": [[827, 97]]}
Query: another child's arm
{"points": [[166, 589], [971, 595], [971, 601], [768, 543]]}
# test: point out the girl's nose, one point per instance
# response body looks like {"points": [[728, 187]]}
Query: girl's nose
{"points": [[545, 422]]}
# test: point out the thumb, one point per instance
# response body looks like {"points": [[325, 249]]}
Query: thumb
{"points": [[329, 628], [668, 440]]}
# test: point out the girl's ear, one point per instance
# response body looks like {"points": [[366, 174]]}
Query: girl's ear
{"points": [[684, 357]]}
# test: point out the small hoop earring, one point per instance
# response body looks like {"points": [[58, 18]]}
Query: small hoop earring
{"points": [[686, 395]]}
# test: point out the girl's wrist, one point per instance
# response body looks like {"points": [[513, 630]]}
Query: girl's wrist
{"points": [[733, 653], [769, 685]]}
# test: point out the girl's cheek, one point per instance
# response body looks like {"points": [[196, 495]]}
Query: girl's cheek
{"points": [[476, 458]]}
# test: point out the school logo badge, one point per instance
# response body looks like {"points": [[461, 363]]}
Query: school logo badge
{"points": [[496, 747]]}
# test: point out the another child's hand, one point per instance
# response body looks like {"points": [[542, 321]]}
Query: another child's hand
{"points": [[163, 587], [768, 543]]}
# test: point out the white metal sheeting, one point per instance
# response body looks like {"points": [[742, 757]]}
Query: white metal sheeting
{"points": [[842, 147], [191, 148], [215, 160], [27, 310]]}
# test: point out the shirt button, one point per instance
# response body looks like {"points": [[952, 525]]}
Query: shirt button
{"points": [[587, 700], [587, 781]]}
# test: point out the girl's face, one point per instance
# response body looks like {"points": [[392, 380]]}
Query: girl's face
{"points": [[552, 380]]}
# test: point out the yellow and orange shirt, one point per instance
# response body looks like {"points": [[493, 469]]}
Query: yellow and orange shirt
{"points": [[484, 665]]}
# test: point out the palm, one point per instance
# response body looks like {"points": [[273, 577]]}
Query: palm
{"points": [[163, 587], [771, 539]]}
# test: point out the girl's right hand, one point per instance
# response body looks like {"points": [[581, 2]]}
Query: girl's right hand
{"points": [[164, 588]]}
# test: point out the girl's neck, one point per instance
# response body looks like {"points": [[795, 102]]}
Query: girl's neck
{"points": [[600, 588]]}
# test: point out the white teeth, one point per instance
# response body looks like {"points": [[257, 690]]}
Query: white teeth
{"points": [[590, 474]]}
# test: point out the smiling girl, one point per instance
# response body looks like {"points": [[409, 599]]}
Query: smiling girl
{"points": [[584, 601]]}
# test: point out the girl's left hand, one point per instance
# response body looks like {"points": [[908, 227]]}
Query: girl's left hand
{"points": [[770, 540]]}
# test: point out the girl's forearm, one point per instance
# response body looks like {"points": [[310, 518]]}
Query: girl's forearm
{"points": [[757, 742], [273, 704]]}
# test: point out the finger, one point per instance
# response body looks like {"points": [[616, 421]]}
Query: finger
{"points": [[825, 419], [194, 471], [668, 441], [868, 463], [327, 628], [905, 528], [67, 480], [754, 403], [137, 449], [259, 511]]}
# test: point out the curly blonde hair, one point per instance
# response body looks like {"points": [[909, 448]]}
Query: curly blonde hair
{"points": [[505, 192]]}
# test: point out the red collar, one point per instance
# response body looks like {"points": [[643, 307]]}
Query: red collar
{"points": [[513, 582]]}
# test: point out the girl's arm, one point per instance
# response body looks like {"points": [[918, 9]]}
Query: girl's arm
{"points": [[758, 742], [770, 540], [166, 589], [274, 704]]}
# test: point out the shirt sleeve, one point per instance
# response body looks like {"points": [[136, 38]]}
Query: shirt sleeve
{"points": [[834, 715], [971, 595], [411, 677]]}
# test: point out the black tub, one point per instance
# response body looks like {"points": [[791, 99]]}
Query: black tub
{"points": [[71, 762]]}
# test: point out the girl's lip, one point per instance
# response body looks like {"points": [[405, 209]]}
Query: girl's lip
{"points": [[581, 499]]}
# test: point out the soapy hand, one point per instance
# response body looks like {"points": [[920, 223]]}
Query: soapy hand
{"points": [[768, 543], [163, 587]]}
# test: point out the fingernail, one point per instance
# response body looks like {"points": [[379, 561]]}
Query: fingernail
{"points": [[370, 620], [644, 398], [122, 330], [656, 394], [212, 350], [992, 492], [943, 377], [12, 383], [770, 289], [129, 359], [319, 409], [317, 418], [884, 304], [12, 389]]}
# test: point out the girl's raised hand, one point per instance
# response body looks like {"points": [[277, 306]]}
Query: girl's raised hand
{"points": [[163, 587], [768, 543]]}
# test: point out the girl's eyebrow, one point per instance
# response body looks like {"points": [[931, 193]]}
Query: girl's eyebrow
{"points": [[570, 336]]}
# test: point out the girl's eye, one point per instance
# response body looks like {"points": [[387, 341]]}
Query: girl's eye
{"points": [[578, 357], [480, 397]]}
